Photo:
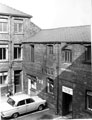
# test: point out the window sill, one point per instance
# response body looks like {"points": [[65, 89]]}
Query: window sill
{"points": [[88, 111], [87, 62], [18, 60], [5, 85], [2, 61], [4, 32], [19, 33]]}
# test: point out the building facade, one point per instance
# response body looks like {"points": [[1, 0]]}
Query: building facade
{"points": [[58, 68], [15, 27]]}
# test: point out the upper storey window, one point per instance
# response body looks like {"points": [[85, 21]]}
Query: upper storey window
{"points": [[88, 54], [50, 49], [3, 52], [18, 26], [67, 56], [3, 25], [17, 52]]}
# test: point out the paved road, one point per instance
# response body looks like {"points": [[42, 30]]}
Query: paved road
{"points": [[37, 115]]}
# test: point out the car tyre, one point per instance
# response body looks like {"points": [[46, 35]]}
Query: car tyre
{"points": [[15, 115], [40, 107]]}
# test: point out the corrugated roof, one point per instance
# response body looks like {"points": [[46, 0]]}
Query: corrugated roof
{"points": [[63, 34], [6, 10]]}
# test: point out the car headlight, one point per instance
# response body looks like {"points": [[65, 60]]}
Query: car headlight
{"points": [[2, 114]]}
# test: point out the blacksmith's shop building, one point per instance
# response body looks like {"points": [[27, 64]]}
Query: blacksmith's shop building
{"points": [[57, 64]]}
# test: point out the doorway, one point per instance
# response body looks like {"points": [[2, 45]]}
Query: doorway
{"points": [[17, 81], [66, 104]]}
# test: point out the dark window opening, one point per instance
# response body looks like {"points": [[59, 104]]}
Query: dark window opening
{"points": [[32, 53]]}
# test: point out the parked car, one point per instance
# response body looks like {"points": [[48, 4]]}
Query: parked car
{"points": [[20, 104]]}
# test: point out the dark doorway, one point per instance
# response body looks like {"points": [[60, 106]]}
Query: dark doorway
{"points": [[66, 104], [17, 80]]}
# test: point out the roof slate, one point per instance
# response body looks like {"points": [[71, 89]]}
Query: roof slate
{"points": [[6, 10], [63, 34]]}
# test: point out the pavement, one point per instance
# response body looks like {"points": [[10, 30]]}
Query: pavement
{"points": [[49, 115]]}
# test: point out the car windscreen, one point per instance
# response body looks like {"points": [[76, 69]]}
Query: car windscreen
{"points": [[11, 101]]}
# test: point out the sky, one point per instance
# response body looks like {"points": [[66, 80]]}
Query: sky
{"points": [[54, 13]]}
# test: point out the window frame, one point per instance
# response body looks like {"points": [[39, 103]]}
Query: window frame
{"points": [[16, 25], [87, 100], [88, 54], [4, 21], [6, 52], [50, 49], [49, 86], [67, 55], [4, 74], [32, 53], [17, 52]]}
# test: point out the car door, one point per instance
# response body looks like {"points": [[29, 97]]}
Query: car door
{"points": [[21, 107], [31, 106]]}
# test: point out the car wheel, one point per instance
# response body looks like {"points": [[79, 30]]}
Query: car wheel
{"points": [[15, 115], [40, 107]]}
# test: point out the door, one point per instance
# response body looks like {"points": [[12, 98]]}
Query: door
{"points": [[66, 103], [17, 80], [29, 86], [31, 105], [21, 106]]}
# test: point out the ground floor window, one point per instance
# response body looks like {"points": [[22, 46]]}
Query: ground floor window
{"points": [[50, 85], [89, 100], [3, 78], [33, 82]]}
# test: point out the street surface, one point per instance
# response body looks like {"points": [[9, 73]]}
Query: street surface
{"points": [[37, 115]]}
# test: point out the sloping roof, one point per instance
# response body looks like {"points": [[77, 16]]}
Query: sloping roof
{"points": [[6, 10], [63, 34]]}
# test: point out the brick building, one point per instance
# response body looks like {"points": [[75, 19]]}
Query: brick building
{"points": [[54, 64], [57, 64], [15, 27]]}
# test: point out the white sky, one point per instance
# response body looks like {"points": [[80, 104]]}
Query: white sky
{"points": [[54, 13]]}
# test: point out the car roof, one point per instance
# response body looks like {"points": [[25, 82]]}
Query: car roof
{"points": [[19, 97]]}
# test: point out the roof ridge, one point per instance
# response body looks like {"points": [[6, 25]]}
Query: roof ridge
{"points": [[13, 9], [66, 27]]}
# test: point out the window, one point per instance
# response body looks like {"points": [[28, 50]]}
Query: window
{"points": [[50, 71], [22, 102], [3, 78], [33, 82], [3, 25], [50, 86], [29, 101], [50, 49], [18, 26], [32, 53], [17, 52], [67, 56], [3, 52], [88, 54], [89, 100]]}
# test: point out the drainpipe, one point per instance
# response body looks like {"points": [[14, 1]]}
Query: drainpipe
{"points": [[57, 106]]}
